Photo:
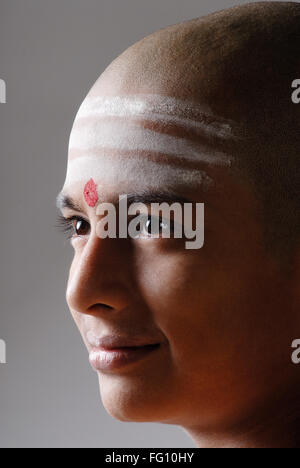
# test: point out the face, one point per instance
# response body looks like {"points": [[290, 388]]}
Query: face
{"points": [[206, 327]]}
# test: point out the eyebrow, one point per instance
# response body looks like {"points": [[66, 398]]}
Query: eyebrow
{"points": [[147, 197], [65, 201]]}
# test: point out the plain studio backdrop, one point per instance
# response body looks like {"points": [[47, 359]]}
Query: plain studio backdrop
{"points": [[51, 53]]}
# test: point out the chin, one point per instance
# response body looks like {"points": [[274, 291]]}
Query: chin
{"points": [[132, 402]]}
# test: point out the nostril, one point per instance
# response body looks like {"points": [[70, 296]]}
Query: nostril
{"points": [[97, 307], [106, 306]]}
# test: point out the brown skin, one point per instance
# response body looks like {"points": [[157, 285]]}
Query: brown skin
{"points": [[226, 314]]}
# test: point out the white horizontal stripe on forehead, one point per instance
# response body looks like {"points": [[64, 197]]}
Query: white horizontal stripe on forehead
{"points": [[129, 136], [135, 171], [155, 108]]}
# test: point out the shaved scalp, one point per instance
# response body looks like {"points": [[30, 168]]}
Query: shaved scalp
{"points": [[239, 64]]}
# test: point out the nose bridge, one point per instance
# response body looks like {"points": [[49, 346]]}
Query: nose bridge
{"points": [[101, 276]]}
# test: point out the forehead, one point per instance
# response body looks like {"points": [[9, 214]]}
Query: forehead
{"points": [[156, 107], [147, 140]]}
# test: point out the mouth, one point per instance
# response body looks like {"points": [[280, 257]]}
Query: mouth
{"points": [[109, 359]]}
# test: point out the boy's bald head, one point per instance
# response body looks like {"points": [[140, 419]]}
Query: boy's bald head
{"points": [[238, 64], [236, 61]]}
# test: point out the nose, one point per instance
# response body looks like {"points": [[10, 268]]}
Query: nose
{"points": [[100, 277]]}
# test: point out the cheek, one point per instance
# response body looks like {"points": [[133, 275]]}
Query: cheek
{"points": [[170, 286], [162, 278], [204, 310]]}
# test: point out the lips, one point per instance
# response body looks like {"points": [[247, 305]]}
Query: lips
{"points": [[111, 352], [117, 341]]}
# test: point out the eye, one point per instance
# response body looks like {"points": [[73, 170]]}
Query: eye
{"points": [[154, 226], [81, 227], [74, 226]]}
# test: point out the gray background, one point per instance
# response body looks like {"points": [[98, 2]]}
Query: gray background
{"points": [[51, 52]]}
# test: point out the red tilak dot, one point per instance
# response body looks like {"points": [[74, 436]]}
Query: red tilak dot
{"points": [[91, 193]]}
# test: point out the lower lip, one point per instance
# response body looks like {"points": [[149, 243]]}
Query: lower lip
{"points": [[112, 359]]}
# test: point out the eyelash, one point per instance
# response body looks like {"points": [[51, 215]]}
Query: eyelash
{"points": [[66, 225]]}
